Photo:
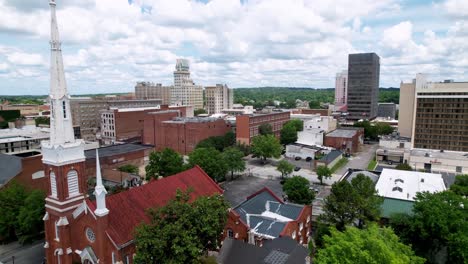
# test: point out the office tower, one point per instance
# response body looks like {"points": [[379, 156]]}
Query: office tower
{"points": [[185, 92], [341, 88], [363, 85], [438, 113], [218, 97], [148, 90]]}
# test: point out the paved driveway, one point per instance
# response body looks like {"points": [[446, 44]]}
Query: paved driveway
{"points": [[27, 254], [361, 159]]}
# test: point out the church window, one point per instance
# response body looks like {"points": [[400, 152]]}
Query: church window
{"points": [[57, 232], [230, 233], [64, 106], [72, 179], [53, 185], [90, 235]]}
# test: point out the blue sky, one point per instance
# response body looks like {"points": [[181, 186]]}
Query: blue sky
{"points": [[109, 45]]}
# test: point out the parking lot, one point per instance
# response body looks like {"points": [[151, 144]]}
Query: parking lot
{"points": [[237, 191]]}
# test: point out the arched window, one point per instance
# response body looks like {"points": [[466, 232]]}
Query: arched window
{"points": [[53, 185], [72, 179], [64, 106], [230, 233]]}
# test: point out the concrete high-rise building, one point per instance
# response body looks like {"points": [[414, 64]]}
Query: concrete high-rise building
{"points": [[148, 90], [341, 88], [218, 97], [438, 114], [387, 110], [363, 85], [185, 92]]}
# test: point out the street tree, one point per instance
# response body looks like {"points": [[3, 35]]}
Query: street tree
{"points": [[211, 161], [266, 147], [460, 186], [129, 168], [297, 123], [323, 172], [165, 163], [12, 199], [437, 227], [314, 105], [29, 219], [368, 203], [284, 167], [372, 245], [404, 166], [288, 134], [298, 191], [233, 158], [265, 129], [180, 231]]}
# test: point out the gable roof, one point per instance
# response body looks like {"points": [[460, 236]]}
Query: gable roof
{"points": [[266, 214], [128, 209], [283, 250], [10, 166]]}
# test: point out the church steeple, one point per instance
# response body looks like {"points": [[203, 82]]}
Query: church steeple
{"points": [[61, 128], [100, 191]]}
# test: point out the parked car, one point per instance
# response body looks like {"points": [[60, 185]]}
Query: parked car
{"points": [[297, 158], [297, 168], [308, 158]]}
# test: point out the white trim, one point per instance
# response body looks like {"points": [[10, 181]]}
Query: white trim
{"points": [[46, 217], [48, 199], [79, 210], [73, 183], [69, 250], [63, 221], [61, 210], [46, 245], [38, 175]]}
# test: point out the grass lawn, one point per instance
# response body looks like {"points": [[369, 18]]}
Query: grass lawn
{"points": [[372, 164], [339, 164]]}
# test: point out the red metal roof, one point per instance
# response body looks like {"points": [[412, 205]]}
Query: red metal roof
{"points": [[128, 209]]}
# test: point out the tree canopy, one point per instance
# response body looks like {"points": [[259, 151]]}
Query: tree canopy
{"points": [[233, 158], [437, 228], [372, 245], [373, 131], [298, 191], [211, 161], [266, 147], [323, 172], [297, 123], [180, 231], [218, 142], [288, 134], [284, 167], [404, 166], [351, 202], [164, 163], [460, 186], [130, 168], [265, 129]]}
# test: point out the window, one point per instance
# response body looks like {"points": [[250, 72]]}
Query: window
{"points": [[57, 232], [113, 257], [230, 233], [91, 236], [72, 179], [53, 185], [459, 169], [64, 106]]}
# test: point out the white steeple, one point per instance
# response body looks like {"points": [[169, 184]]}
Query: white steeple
{"points": [[99, 191], [61, 128]]}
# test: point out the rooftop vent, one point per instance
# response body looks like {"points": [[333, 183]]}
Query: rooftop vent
{"points": [[442, 151], [397, 189], [422, 179], [427, 155], [399, 180]]}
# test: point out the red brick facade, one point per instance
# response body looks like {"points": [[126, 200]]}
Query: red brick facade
{"points": [[31, 175], [182, 136], [345, 144], [247, 125], [322, 112], [152, 122]]}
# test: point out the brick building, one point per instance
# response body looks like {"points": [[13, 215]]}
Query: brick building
{"points": [[264, 216], [247, 125], [322, 112], [153, 121], [182, 134], [126, 124], [27, 171], [347, 140]]}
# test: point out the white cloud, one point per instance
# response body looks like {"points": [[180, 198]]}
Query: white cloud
{"points": [[456, 8], [22, 58]]}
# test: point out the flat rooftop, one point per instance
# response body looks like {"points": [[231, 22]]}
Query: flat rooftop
{"points": [[343, 133], [25, 133], [403, 185], [453, 155], [192, 120], [115, 150]]}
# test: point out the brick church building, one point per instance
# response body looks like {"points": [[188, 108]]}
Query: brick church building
{"points": [[80, 230]]}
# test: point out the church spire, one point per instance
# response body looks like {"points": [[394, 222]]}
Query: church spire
{"points": [[99, 191], [61, 129]]}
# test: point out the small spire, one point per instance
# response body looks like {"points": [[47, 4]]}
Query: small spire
{"points": [[100, 191]]}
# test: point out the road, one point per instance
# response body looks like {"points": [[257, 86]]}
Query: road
{"points": [[27, 254], [361, 159]]}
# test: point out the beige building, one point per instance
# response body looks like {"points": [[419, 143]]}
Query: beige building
{"points": [[86, 112], [148, 90], [184, 91], [218, 97]]}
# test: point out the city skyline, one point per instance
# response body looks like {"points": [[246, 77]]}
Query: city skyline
{"points": [[240, 43]]}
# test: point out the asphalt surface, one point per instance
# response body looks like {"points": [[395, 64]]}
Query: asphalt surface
{"points": [[27, 254], [237, 191], [361, 159]]}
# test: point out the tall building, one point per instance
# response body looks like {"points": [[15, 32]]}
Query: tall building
{"points": [[218, 97], [363, 85], [147, 90], [341, 88], [185, 92], [438, 114], [407, 102]]}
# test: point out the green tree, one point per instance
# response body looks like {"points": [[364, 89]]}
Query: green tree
{"points": [[218, 142], [369, 130], [351, 202], [29, 219], [284, 167], [297, 123], [130, 168], [199, 112], [265, 129], [233, 158], [460, 186], [288, 134], [314, 105], [42, 120], [266, 147], [323, 172], [368, 246], [180, 232], [439, 224], [211, 161], [12, 199], [298, 191], [404, 166], [165, 163], [383, 128]]}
